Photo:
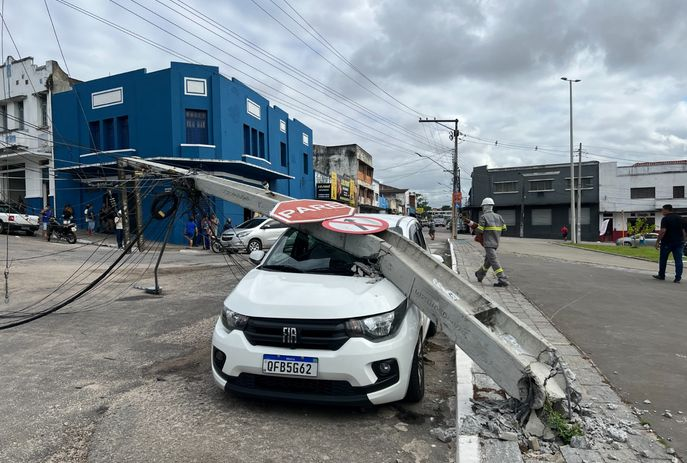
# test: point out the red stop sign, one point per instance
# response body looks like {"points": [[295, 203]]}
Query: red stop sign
{"points": [[309, 210]]}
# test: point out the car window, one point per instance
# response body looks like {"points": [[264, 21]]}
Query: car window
{"points": [[416, 236], [252, 223], [299, 252], [273, 224]]}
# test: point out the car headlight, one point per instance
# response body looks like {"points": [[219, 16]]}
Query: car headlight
{"points": [[233, 320], [378, 326], [242, 234]]}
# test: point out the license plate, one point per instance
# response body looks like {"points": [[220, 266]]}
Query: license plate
{"points": [[289, 365]]}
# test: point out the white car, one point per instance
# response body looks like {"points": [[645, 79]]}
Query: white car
{"points": [[253, 235], [12, 220], [304, 326], [439, 222]]}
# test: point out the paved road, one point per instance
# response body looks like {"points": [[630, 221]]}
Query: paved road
{"points": [[632, 326], [126, 377]]}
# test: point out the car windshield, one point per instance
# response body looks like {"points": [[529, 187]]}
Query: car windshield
{"points": [[252, 223], [298, 252]]}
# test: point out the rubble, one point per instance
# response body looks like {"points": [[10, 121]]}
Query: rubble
{"points": [[444, 435], [579, 442]]}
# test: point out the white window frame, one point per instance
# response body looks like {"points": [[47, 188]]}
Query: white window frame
{"points": [[506, 192], [306, 139], [195, 80], [107, 103], [530, 190], [253, 108], [567, 179], [282, 125]]}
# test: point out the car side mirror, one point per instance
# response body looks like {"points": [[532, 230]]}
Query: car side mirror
{"points": [[256, 256], [438, 258]]}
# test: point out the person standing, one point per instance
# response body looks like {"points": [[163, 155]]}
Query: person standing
{"points": [[432, 229], [227, 225], [89, 214], [205, 232], [190, 231], [119, 229], [671, 240], [489, 229], [46, 215], [67, 214], [214, 224], [564, 232]]}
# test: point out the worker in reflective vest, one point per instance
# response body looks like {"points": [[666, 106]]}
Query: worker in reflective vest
{"points": [[489, 228]]}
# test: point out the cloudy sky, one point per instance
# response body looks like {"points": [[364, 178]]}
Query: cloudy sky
{"points": [[364, 71]]}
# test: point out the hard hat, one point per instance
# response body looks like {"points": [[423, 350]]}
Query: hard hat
{"points": [[487, 202]]}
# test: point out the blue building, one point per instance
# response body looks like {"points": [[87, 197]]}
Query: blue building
{"points": [[187, 115]]}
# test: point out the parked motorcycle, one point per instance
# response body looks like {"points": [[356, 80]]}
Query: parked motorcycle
{"points": [[62, 231]]}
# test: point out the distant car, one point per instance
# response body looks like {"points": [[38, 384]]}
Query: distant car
{"points": [[439, 222], [12, 220], [648, 239], [253, 235]]}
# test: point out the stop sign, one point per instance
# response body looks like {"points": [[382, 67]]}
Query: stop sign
{"points": [[309, 210]]}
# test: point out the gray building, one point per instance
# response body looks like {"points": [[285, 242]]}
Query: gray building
{"points": [[535, 200]]}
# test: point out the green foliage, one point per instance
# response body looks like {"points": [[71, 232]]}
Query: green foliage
{"points": [[445, 208], [561, 426], [640, 227]]}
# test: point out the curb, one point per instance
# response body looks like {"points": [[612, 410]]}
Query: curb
{"points": [[610, 253]]}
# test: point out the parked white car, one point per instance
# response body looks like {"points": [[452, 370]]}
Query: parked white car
{"points": [[12, 220], [304, 326], [253, 235], [439, 222]]}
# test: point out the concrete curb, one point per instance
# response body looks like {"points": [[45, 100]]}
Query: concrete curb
{"points": [[611, 254]]}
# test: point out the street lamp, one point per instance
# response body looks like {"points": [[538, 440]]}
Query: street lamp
{"points": [[573, 221]]}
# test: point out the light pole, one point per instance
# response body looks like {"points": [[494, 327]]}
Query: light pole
{"points": [[573, 219]]}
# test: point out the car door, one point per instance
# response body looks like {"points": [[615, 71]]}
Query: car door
{"points": [[271, 232]]}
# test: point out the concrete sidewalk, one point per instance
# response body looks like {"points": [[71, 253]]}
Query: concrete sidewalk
{"points": [[612, 430]]}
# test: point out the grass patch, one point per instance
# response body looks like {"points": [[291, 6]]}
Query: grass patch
{"points": [[643, 252], [560, 425]]}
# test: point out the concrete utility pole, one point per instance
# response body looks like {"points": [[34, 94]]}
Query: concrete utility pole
{"points": [[456, 195], [139, 209], [573, 221], [121, 176], [579, 194]]}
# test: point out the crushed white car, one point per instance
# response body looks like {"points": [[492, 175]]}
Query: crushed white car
{"points": [[12, 220]]}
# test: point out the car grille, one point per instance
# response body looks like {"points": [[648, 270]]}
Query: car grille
{"points": [[311, 334], [294, 385]]}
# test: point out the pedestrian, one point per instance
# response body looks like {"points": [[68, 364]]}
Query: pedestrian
{"points": [[489, 230], [190, 231], [432, 229], [671, 240], [227, 225], [89, 214], [119, 229], [564, 232], [46, 215], [214, 224], [205, 232], [67, 214]]}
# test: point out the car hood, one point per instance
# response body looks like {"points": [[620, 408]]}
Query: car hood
{"points": [[268, 294]]}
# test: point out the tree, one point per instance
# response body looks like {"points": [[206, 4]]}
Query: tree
{"points": [[445, 208], [422, 203], [640, 227]]}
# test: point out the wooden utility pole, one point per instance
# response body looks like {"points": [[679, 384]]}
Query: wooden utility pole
{"points": [[456, 195], [121, 176], [139, 208]]}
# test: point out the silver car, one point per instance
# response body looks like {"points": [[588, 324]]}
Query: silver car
{"points": [[253, 235], [648, 239]]}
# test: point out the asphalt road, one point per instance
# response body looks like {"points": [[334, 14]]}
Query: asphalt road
{"points": [[632, 326], [123, 376]]}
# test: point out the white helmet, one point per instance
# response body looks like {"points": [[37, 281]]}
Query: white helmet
{"points": [[487, 202]]}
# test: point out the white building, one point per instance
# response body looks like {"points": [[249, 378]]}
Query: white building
{"points": [[26, 130], [627, 193]]}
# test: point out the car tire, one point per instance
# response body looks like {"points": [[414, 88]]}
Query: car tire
{"points": [[627, 244], [416, 385], [254, 245], [432, 329]]}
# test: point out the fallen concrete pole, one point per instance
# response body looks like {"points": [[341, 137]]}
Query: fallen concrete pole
{"points": [[524, 364]]}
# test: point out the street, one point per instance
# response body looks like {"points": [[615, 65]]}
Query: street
{"points": [[124, 376], [632, 326]]}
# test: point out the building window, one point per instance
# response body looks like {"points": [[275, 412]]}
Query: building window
{"points": [[123, 132], [108, 134], [261, 144], [43, 103], [94, 132], [508, 216], [107, 98], [541, 217], [643, 193], [253, 108], [283, 154], [306, 139], [20, 115], [3, 117], [541, 185], [305, 163], [587, 183], [246, 139], [678, 192], [195, 87], [282, 125], [196, 127], [253, 142], [505, 187]]}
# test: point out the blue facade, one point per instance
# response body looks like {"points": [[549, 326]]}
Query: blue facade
{"points": [[187, 115]]}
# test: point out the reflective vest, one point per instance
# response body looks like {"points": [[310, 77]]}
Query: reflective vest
{"points": [[490, 226]]}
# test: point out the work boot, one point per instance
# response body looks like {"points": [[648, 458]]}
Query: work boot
{"points": [[501, 284], [677, 280], [479, 277], [659, 277]]}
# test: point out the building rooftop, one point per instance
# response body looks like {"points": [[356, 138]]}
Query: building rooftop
{"points": [[660, 163]]}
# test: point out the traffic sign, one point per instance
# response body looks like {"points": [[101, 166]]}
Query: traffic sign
{"points": [[309, 210], [356, 225]]}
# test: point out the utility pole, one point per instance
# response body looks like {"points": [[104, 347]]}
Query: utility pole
{"points": [[573, 222], [579, 194], [139, 209], [522, 207], [121, 176], [456, 195]]}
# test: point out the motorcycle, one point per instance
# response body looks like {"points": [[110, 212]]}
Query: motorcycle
{"points": [[66, 231]]}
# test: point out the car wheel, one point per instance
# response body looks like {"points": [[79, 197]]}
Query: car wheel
{"points": [[432, 329], [627, 244], [216, 247], [416, 385], [254, 245]]}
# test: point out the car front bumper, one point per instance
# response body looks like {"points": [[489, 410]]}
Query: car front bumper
{"points": [[345, 376]]}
